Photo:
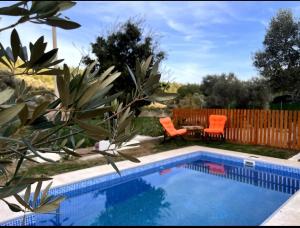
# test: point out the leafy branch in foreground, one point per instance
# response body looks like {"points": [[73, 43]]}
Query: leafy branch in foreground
{"points": [[28, 130], [40, 12]]}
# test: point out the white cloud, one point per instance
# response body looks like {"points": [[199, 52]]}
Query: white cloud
{"points": [[188, 72]]}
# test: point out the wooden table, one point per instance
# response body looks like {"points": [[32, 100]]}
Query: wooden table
{"points": [[195, 130]]}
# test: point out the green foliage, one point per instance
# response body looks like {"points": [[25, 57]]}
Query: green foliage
{"points": [[190, 95], [195, 100], [227, 91], [188, 89], [279, 61], [285, 106], [284, 102], [221, 91], [127, 45], [258, 93], [28, 130], [40, 12], [38, 61], [6, 81], [244, 148], [47, 203], [149, 126], [170, 87]]}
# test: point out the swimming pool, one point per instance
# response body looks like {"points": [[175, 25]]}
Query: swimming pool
{"points": [[199, 188]]}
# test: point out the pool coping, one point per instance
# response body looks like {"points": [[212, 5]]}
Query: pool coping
{"points": [[288, 214]]}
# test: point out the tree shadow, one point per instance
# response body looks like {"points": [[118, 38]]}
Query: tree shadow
{"points": [[133, 203]]}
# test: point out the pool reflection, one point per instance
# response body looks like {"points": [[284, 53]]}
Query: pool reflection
{"points": [[118, 205]]}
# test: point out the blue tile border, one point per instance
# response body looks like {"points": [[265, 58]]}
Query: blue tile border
{"points": [[109, 180]]}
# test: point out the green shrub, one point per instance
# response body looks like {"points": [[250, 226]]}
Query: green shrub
{"points": [[149, 126]]}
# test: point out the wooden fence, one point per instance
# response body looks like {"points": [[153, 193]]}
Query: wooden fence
{"points": [[277, 128]]}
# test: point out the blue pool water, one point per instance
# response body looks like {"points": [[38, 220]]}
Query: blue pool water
{"points": [[198, 190]]}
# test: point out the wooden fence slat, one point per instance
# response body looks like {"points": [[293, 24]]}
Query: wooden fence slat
{"points": [[277, 131], [269, 127], [281, 129], [298, 131], [254, 126], [289, 131], [250, 126], [264, 128], [241, 125], [245, 126], [260, 128], [273, 129], [285, 129], [294, 144], [234, 125]]}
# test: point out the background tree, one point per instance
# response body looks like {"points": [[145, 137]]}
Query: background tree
{"points": [[279, 61], [122, 48], [259, 93], [188, 89], [221, 91], [189, 95], [227, 91]]}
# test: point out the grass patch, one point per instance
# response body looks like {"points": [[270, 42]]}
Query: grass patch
{"points": [[154, 147], [244, 148], [148, 126], [51, 169], [62, 167]]}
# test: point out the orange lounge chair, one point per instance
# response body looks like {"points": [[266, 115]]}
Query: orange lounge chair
{"points": [[165, 171], [169, 129], [216, 126], [214, 168]]}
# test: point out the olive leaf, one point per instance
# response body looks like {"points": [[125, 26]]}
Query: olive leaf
{"points": [[61, 23], [10, 113], [23, 115], [35, 152], [6, 94], [71, 152], [96, 132], [88, 114], [13, 207], [130, 158], [133, 77], [47, 203], [15, 44], [39, 110], [14, 10]]}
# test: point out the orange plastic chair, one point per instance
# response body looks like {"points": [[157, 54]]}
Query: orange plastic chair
{"points": [[169, 129], [216, 126]]}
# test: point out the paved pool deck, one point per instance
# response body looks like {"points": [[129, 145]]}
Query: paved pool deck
{"points": [[288, 214]]}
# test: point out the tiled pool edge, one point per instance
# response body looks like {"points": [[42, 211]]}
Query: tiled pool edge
{"points": [[287, 214], [82, 175]]}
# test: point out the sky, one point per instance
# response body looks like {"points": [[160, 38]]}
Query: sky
{"points": [[200, 38]]}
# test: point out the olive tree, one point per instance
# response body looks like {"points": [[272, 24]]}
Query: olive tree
{"points": [[279, 60], [27, 132]]}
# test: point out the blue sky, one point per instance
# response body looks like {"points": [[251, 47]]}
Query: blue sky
{"points": [[200, 38]]}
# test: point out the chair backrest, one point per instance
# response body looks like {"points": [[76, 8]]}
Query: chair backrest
{"points": [[167, 124], [217, 121]]}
